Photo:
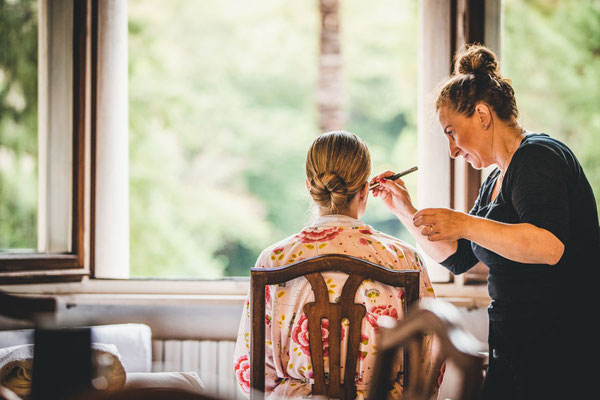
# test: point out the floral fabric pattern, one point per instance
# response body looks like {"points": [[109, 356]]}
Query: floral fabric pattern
{"points": [[242, 373], [300, 335], [288, 365], [375, 312]]}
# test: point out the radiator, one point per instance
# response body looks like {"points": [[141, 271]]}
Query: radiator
{"points": [[212, 360]]}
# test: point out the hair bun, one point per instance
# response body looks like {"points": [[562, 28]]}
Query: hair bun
{"points": [[476, 59], [338, 165], [329, 188], [333, 183]]}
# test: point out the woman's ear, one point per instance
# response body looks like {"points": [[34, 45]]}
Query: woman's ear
{"points": [[307, 184], [484, 115], [364, 192]]}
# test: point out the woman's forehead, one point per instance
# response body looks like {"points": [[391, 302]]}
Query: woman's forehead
{"points": [[446, 116]]}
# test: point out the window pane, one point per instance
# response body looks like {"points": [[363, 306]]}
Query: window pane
{"points": [[18, 125], [551, 52], [222, 111], [379, 44]]}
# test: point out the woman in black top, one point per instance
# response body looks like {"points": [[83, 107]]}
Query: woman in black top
{"points": [[534, 224]]}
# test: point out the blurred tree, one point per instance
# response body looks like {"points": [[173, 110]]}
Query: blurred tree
{"points": [[18, 125], [222, 111], [330, 95], [380, 59], [552, 55], [218, 111]]}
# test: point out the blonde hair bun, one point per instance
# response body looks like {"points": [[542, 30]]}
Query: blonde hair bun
{"points": [[338, 165], [330, 189]]}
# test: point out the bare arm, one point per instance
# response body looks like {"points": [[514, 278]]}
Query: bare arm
{"points": [[524, 243], [438, 250], [395, 196], [437, 230]]}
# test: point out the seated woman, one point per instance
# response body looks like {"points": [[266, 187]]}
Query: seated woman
{"points": [[338, 166]]}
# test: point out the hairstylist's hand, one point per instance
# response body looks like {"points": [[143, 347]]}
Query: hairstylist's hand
{"points": [[441, 223], [394, 195]]}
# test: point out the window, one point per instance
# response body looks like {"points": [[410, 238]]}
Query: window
{"points": [[179, 139], [42, 135], [551, 52], [222, 111], [18, 126]]}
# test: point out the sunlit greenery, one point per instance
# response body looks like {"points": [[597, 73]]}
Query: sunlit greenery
{"points": [[222, 111], [551, 52], [18, 125]]}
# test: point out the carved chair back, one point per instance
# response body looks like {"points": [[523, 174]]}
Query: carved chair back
{"points": [[441, 320], [358, 270]]}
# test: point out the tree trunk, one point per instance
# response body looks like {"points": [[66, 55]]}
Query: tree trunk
{"points": [[329, 90]]}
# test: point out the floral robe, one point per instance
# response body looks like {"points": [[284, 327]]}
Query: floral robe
{"points": [[288, 365]]}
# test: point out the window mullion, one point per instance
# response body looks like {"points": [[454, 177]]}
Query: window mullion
{"points": [[55, 126]]}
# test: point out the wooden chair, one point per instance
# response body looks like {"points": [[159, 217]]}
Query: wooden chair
{"points": [[439, 318], [358, 270]]}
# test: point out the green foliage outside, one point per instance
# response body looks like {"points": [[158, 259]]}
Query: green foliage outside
{"points": [[222, 113], [551, 51], [18, 125]]}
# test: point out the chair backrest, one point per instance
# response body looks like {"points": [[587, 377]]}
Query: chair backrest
{"points": [[440, 319], [358, 270]]}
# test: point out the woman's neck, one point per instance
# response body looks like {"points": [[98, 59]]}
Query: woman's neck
{"points": [[347, 213], [352, 210], [509, 140]]}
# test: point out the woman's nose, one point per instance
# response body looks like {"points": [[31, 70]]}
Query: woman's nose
{"points": [[454, 151]]}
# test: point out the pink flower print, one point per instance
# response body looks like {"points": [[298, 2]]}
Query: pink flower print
{"points": [[267, 294], [365, 231], [363, 241], [241, 370], [364, 339], [300, 335], [318, 235], [377, 311], [277, 254], [268, 320], [278, 250], [441, 375]]}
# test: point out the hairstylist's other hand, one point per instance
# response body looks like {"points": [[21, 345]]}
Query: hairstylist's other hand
{"points": [[394, 195], [441, 223]]}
